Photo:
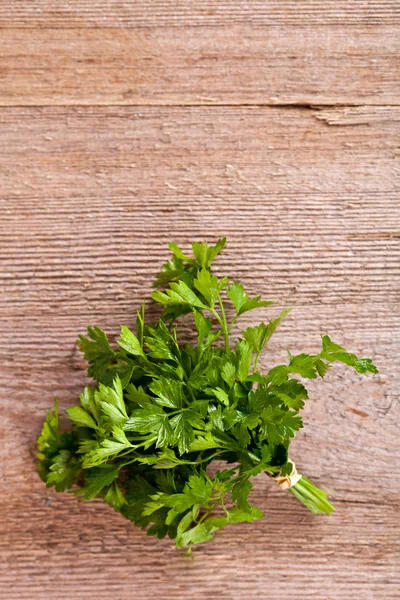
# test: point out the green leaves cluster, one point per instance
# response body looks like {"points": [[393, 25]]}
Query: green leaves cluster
{"points": [[161, 410]]}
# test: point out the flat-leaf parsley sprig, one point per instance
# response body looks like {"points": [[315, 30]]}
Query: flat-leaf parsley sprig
{"points": [[162, 410]]}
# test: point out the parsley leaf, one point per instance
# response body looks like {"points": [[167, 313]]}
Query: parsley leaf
{"points": [[168, 392], [259, 336], [183, 430], [129, 342], [333, 352], [64, 470], [207, 285], [205, 254], [203, 326], [244, 357], [81, 418], [108, 447], [97, 351], [145, 420], [241, 301], [98, 478]]}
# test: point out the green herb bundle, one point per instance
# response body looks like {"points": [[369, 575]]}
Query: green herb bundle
{"points": [[162, 410]]}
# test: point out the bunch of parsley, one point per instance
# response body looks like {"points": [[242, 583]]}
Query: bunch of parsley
{"points": [[162, 411]]}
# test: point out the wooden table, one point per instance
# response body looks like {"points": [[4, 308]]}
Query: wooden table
{"points": [[125, 125]]}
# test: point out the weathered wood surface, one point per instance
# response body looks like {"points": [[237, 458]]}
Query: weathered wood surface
{"points": [[184, 13], [89, 197], [202, 153], [240, 64]]}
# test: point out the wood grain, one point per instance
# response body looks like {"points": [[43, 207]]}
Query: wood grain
{"points": [[308, 200], [170, 153], [190, 13], [124, 125], [235, 64]]}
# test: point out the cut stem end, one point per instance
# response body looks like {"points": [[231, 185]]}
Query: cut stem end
{"points": [[312, 497]]}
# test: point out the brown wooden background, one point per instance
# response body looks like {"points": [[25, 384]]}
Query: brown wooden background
{"points": [[125, 125]]}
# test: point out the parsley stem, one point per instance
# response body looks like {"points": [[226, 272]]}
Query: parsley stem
{"points": [[224, 323], [224, 507], [232, 323], [211, 509], [312, 497], [191, 393], [135, 446], [198, 462]]}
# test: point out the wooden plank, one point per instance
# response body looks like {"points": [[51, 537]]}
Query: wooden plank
{"points": [[149, 175], [63, 549], [55, 545], [308, 199], [170, 153], [183, 13], [234, 64]]}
